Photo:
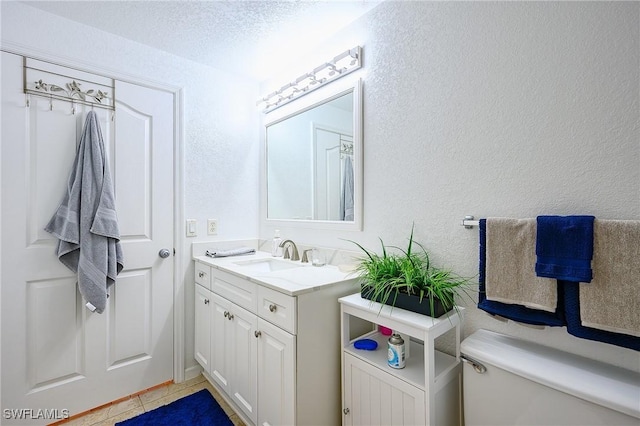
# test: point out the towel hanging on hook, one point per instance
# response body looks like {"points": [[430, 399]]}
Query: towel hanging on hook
{"points": [[85, 223]]}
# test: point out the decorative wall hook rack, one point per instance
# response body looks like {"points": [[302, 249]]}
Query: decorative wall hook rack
{"points": [[346, 148], [55, 82]]}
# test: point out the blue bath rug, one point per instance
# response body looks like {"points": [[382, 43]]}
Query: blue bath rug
{"points": [[198, 409]]}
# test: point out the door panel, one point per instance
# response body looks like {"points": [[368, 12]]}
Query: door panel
{"points": [[202, 336], [129, 318], [245, 349], [55, 353], [276, 375], [52, 341], [220, 342], [137, 222], [44, 183], [375, 397]]}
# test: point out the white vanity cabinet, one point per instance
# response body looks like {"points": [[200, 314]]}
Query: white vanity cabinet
{"points": [[425, 392], [274, 355]]}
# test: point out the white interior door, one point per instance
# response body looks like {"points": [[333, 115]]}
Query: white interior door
{"points": [[56, 354], [328, 171], [327, 174]]}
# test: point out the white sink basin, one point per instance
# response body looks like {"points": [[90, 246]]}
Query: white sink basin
{"points": [[267, 265]]}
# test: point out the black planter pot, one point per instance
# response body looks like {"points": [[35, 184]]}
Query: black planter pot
{"points": [[409, 302]]}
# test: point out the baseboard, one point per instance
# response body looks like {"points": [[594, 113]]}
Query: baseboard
{"points": [[192, 372]]}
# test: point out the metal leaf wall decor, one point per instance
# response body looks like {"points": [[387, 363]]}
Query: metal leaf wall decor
{"points": [[73, 89]]}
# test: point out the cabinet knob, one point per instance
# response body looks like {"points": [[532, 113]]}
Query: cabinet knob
{"points": [[201, 274], [273, 308], [230, 317], [226, 314], [206, 301], [345, 411], [257, 333]]}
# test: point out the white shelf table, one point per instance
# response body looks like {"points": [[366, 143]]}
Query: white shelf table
{"points": [[426, 391]]}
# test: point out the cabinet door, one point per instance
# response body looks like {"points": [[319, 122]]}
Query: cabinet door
{"points": [[202, 336], [221, 342], [276, 375], [375, 397], [244, 384]]}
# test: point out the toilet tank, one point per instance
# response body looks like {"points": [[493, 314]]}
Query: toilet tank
{"points": [[509, 381]]}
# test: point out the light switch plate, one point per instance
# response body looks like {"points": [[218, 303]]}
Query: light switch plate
{"points": [[191, 228]]}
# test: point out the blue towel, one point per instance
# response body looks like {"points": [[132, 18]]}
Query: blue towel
{"points": [[571, 291], [511, 311], [567, 312], [564, 246]]}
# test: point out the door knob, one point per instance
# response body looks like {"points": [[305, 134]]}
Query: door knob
{"points": [[164, 253]]}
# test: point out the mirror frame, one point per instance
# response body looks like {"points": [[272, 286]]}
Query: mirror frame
{"points": [[300, 105]]}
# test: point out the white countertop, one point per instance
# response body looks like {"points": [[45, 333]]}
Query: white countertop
{"points": [[293, 282]]}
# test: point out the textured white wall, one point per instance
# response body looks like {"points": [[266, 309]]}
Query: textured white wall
{"points": [[492, 109], [495, 109], [220, 121]]}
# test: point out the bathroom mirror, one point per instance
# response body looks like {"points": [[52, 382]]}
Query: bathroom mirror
{"points": [[313, 151]]}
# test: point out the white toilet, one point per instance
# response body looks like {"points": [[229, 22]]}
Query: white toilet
{"points": [[509, 381]]}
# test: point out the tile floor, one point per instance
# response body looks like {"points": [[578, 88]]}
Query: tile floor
{"points": [[123, 410]]}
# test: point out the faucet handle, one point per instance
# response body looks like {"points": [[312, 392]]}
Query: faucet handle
{"points": [[305, 258]]}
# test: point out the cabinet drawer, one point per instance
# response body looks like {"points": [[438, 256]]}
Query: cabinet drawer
{"points": [[203, 275], [235, 289], [277, 308]]}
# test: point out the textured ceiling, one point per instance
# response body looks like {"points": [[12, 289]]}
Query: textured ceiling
{"points": [[238, 36]]}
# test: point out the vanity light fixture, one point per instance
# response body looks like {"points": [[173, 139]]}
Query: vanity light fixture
{"points": [[339, 66]]}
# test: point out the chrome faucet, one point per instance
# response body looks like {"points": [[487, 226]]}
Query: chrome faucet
{"points": [[290, 250]]}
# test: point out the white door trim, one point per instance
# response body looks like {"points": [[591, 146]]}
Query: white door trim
{"points": [[178, 183]]}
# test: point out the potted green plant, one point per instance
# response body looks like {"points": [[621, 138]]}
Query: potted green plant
{"points": [[406, 279]]}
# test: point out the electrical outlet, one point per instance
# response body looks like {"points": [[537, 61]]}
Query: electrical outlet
{"points": [[191, 228], [212, 226]]}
